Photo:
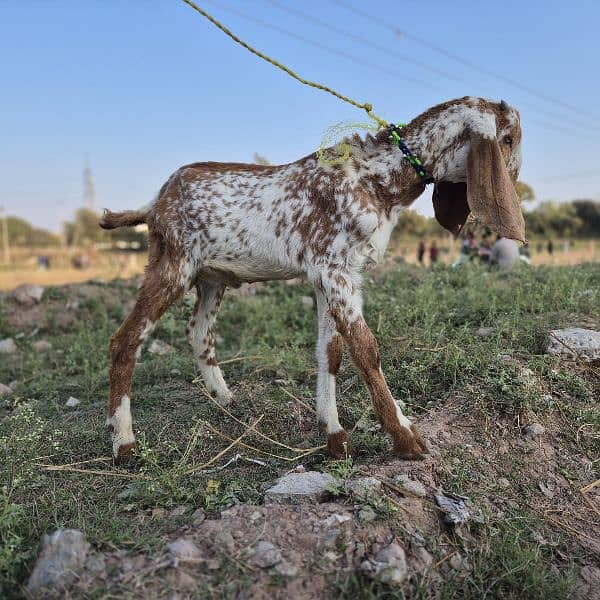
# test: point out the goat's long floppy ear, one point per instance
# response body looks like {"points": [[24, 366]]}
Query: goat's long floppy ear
{"points": [[450, 205], [491, 194]]}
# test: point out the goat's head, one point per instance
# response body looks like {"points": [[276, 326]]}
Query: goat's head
{"points": [[475, 147]]}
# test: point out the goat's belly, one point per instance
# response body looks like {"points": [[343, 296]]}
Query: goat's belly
{"points": [[234, 272]]}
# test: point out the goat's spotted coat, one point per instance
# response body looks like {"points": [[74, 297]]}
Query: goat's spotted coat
{"points": [[215, 225]]}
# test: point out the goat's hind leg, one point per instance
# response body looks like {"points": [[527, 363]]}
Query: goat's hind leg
{"points": [[155, 296], [202, 338]]}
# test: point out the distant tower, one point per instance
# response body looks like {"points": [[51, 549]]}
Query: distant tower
{"points": [[89, 194]]}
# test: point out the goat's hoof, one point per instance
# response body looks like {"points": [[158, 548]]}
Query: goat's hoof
{"points": [[339, 445], [408, 444], [124, 453]]}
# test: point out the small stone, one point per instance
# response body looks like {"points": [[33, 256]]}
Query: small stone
{"points": [[388, 565], [548, 399], [198, 517], [184, 550], [366, 515], [422, 558], [533, 430], [73, 304], [503, 482], [8, 346], [60, 562], [299, 488], [484, 332], [365, 487], [455, 561], [5, 390], [335, 519], [575, 341], [224, 540], [42, 346], [287, 569], [265, 555], [178, 511], [308, 302], [96, 565], [331, 537], [72, 402], [415, 488], [160, 348], [28, 295]]}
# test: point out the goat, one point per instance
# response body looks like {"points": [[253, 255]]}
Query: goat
{"points": [[215, 225]]}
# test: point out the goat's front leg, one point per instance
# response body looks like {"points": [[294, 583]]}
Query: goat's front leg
{"points": [[329, 357], [344, 300], [202, 338]]}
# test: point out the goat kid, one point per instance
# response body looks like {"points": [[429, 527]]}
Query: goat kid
{"points": [[215, 225]]}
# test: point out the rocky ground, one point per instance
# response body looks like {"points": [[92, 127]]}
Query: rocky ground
{"points": [[507, 505]]}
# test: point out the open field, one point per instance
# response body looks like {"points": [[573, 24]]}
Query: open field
{"points": [[538, 535], [111, 265]]}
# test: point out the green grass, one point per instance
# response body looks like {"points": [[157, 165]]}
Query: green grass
{"points": [[425, 322]]}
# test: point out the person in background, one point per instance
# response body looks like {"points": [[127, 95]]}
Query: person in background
{"points": [[433, 253], [505, 253], [421, 251], [524, 254], [485, 248]]}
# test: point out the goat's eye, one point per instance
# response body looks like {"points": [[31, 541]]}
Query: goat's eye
{"points": [[508, 140]]}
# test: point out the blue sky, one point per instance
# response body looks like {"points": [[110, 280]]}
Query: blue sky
{"points": [[144, 86]]}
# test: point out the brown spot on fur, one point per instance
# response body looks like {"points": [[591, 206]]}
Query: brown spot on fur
{"points": [[334, 354], [365, 354], [339, 445], [124, 453]]}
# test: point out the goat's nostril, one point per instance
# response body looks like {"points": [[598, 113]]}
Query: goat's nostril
{"points": [[508, 140]]}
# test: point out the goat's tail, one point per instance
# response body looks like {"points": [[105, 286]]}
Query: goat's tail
{"points": [[127, 218]]}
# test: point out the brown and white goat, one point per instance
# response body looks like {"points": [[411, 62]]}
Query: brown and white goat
{"points": [[215, 225]]}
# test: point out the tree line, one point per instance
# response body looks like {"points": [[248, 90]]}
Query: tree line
{"points": [[579, 218]]}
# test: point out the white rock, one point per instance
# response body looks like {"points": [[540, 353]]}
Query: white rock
{"points": [[184, 550], [287, 569], [8, 346], [265, 555], [307, 302], [575, 341], [72, 402], [299, 488], [5, 390], [60, 562], [335, 519], [158, 347], [416, 488], [28, 295], [484, 332], [41, 346], [388, 565], [533, 430], [365, 487], [198, 517]]}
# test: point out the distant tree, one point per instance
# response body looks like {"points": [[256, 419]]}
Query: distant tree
{"points": [[524, 191], [84, 229], [22, 233], [412, 223], [589, 213], [554, 219]]}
